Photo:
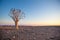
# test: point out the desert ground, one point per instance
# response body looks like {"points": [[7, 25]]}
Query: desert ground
{"points": [[30, 33]]}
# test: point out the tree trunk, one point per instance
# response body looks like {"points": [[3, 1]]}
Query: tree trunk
{"points": [[16, 24]]}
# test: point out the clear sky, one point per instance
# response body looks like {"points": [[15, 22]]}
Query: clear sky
{"points": [[37, 12]]}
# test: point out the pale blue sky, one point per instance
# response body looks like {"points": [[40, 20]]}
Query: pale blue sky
{"points": [[37, 12]]}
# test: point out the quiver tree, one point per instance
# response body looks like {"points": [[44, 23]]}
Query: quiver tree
{"points": [[16, 14]]}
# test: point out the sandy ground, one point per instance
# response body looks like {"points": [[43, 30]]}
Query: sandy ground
{"points": [[30, 33]]}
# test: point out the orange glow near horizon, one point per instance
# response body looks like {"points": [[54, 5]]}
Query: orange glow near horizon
{"points": [[32, 23], [43, 24], [35, 24]]}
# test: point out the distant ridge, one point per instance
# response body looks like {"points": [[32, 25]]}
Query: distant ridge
{"points": [[28, 25]]}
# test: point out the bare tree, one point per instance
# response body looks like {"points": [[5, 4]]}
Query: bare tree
{"points": [[16, 14]]}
